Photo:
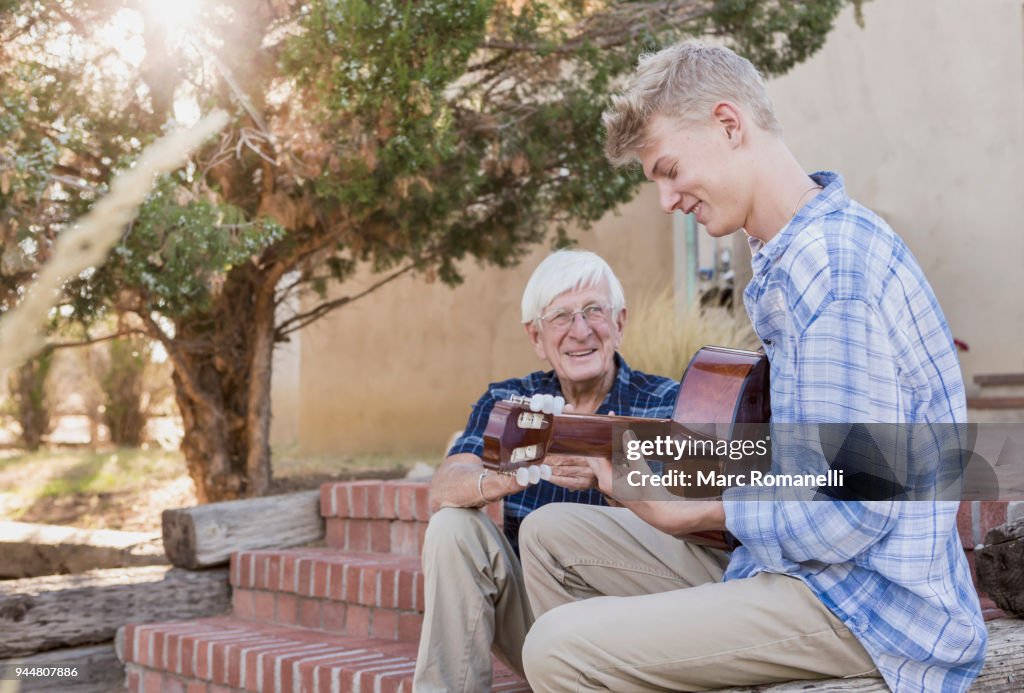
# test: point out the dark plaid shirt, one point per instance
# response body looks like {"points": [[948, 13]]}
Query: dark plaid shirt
{"points": [[634, 393]]}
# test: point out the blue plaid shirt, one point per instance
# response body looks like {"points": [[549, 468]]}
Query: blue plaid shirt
{"points": [[854, 334], [633, 393]]}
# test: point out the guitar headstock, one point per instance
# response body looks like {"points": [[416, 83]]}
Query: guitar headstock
{"points": [[515, 435]]}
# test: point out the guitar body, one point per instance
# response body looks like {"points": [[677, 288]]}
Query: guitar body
{"points": [[722, 386]]}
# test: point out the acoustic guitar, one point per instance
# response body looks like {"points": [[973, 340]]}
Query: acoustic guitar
{"points": [[719, 387]]}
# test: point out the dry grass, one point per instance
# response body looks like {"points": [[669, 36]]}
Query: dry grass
{"points": [[660, 340], [289, 462], [115, 489]]}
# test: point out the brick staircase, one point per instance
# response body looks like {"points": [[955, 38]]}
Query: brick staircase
{"points": [[345, 618]]}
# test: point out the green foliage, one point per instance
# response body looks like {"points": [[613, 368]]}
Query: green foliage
{"points": [[426, 132], [179, 250], [368, 56], [443, 162], [776, 35], [396, 134]]}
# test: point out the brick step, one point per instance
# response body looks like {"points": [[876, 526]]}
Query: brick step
{"points": [[376, 516], [359, 594], [974, 519], [380, 516], [221, 654]]}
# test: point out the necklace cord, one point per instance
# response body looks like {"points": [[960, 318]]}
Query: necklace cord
{"points": [[801, 199]]}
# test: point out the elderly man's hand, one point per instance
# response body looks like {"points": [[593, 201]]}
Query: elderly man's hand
{"points": [[571, 472]]}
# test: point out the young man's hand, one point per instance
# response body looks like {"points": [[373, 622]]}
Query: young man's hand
{"points": [[655, 504]]}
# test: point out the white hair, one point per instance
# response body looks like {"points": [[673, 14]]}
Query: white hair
{"points": [[566, 270]]}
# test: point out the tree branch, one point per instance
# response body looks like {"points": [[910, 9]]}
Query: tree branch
{"points": [[297, 322], [53, 346]]}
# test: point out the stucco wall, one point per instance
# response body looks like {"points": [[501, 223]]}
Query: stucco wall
{"points": [[922, 111]]}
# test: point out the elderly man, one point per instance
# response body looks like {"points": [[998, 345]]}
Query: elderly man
{"points": [[574, 313], [854, 334]]}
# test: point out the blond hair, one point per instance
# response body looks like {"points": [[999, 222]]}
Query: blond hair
{"points": [[683, 81]]}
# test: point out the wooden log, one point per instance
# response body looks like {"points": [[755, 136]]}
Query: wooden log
{"points": [[95, 668], [1006, 532], [1004, 660], [1003, 671], [1000, 566], [207, 535], [30, 549], [39, 614]]}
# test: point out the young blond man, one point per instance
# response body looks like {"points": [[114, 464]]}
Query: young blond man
{"points": [[854, 334]]}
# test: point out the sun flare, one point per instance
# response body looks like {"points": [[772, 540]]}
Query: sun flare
{"points": [[173, 14]]}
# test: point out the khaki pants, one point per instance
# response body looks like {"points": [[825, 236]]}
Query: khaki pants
{"points": [[621, 606], [475, 599]]}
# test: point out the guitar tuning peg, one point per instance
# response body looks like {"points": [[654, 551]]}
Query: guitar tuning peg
{"points": [[523, 476], [534, 475], [559, 405], [545, 471], [548, 404], [537, 402]]}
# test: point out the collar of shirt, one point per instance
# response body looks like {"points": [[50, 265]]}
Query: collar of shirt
{"points": [[617, 399], [832, 198]]}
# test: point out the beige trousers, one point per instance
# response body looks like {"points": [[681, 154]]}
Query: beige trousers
{"points": [[621, 606], [475, 600]]}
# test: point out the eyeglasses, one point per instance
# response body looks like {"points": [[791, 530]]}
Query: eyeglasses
{"points": [[594, 314]]}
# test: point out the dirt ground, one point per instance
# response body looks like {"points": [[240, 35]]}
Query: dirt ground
{"points": [[139, 510], [128, 490], [134, 511]]}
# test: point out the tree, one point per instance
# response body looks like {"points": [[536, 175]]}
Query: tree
{"points": [[403, 135], [30, 402]]}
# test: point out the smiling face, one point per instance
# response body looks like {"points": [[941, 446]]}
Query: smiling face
{"points": [[699, 169], [581, 353]]}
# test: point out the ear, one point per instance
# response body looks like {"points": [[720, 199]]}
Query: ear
{"points": [[730, 119], [533, 332], [620, 323]]}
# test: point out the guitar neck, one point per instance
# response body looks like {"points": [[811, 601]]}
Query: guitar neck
{"points": [[590, 435]]}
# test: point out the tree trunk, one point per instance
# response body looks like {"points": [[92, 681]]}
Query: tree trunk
{"points": [[123, 385], [222, 372], [29, 392]]}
